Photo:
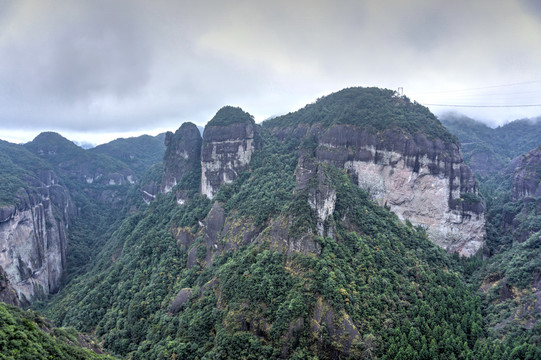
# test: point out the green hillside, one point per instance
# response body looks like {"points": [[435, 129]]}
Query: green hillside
{"points": [[391, 291], [371, 108], [138, 153], [488, 150], [231, 115], [26, 335], [19, 169], [509, 280]]}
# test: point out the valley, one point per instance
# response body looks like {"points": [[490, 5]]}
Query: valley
{"points": [[355, 227]]}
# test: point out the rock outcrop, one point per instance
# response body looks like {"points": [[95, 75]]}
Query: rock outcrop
{"points": [[182, 154], [526, 170], [229, 141], [310, 176], [8, 295], [525, 174], [421, 179], [33, 239]]}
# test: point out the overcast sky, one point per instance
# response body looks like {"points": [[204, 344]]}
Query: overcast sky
{"points": [[96, 70]]}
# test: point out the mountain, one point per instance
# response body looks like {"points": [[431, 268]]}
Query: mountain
{"points": [[331, 232], [285, 252], [401, 154], [139, 153], [56, 201], [488, 150], [229, 140], [509, 280], [182, 155], [80, 165], [35, 213]]}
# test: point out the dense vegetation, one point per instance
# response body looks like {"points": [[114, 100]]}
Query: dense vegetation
{"points": [[139, 153], [26, 335], [19, 170], [68, 156], [231, 115], [371, 108], [497, 146], [509, 279], [151, 283], [404, 297]]}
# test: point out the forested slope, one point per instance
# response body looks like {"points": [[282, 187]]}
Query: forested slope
{"points": [[168, 285], [508, 280], [295, 256]]}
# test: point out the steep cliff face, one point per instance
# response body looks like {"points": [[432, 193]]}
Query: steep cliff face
{"points": [[526, 171], [422, 180], [416, 170], [229, 141], [521, 217], [311, 177], [33, 239], [182, 154], [8, 295]]}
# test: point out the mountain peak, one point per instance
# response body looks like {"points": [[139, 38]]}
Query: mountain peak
{"points": [[370, 108], [51, 143], [231, 115]]}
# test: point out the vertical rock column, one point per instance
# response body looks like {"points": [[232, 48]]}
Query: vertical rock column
{"points": [[228, 145], [182, 154]]}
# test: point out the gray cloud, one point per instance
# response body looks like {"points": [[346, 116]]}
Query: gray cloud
{"points": [[137, 65]]}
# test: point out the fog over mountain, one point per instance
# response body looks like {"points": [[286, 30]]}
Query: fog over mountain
{"points": [[128, 67]]}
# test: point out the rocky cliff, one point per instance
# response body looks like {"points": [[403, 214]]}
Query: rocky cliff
{"points": [[33, 239], [421, 177], [8, 295], [521, 217], [526, 171], [229, 141], [182, 155]]}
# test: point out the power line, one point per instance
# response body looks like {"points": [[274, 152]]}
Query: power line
{"points": [[480, 88], [455, 105]]}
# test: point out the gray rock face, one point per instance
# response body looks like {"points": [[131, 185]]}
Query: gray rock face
{"points": [[526, 171], [279, 238], [485, 163], [422, 180], [182, 154], [310, 175], [33, 240], [340, 327], [8, 295], [181, 299], [226, 152]]}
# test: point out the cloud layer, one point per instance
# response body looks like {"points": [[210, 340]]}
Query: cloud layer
{"points": [[102, 66]]}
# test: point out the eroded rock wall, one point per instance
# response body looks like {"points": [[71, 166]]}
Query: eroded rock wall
{"points": [[526, 170], [311, 177], [33, 240], [182, 154], [422, 180], [8, 295], [225, 153]]}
